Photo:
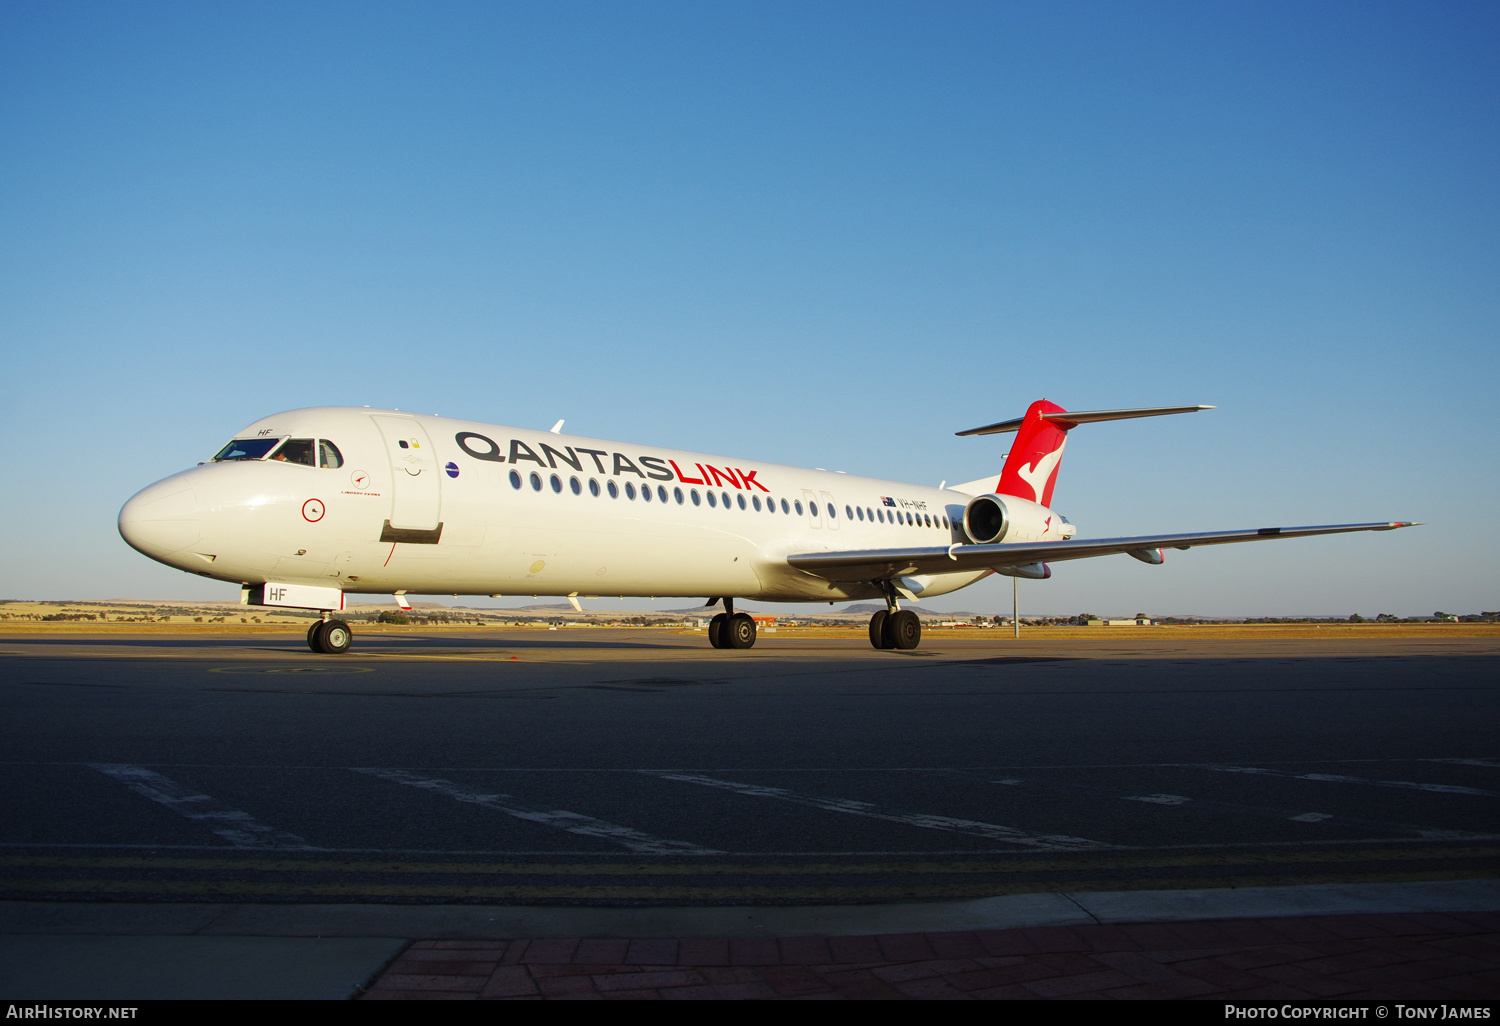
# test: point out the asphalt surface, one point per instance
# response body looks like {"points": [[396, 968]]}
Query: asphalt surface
{"points": [[618, 767]]}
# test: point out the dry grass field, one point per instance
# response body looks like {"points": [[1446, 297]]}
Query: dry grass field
{"points": [[125, 617]]}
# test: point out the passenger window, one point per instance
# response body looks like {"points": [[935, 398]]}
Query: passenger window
{"points": [[755, 501], [557, 484], [677, 494], [927, 520], [614, 490], [329, 456], [536, 482], [694, 494], [859, 512], [787, 509], [869, 513], [725, 496], [661, 492], [296, 450], [594, 488], [574, 484], [713, 500], [740, 499], [246, 449], [798, 506], [515, 479], [629, 490], [646, 492], [833, 514]]}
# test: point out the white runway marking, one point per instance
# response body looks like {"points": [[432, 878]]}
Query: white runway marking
{"points": [[1235, 808], [561, 819], [1336, 778], [238, 828], [989, 831], [1488, 764]]}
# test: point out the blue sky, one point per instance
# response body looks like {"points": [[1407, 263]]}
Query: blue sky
{"points": [[825, 234]]}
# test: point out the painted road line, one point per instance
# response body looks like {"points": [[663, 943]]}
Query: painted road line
{"points": [[238, 828], [1234, 808], [989, 831], [727, 893], [1021, 864], [561, 819], [1336, 778]]}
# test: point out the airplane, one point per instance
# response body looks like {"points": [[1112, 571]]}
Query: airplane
{"points": [[305, 508]]}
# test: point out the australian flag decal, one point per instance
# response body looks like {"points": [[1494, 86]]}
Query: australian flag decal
{"points": [[886, 500]]}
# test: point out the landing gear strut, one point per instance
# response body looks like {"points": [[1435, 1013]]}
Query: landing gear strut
{"points": [[730, 629], [894, 627], [331, 637]]}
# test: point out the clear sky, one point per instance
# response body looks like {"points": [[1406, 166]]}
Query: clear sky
{"points": [[825, 234]]}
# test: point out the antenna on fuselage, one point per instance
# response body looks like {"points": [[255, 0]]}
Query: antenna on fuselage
{"points": [[557, 428]]}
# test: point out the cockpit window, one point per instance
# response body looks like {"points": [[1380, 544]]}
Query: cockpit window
{"points": [[296, 450], [329, 455], [247, 449]]}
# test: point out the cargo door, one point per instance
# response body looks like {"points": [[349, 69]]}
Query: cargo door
{"points": [[416, 489]]}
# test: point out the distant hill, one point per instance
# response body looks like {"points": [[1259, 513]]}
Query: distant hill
{"points": [[869, 608], [858, 609]]}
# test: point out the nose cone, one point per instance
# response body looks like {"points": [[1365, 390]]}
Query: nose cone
{"points": [[161, 519]]}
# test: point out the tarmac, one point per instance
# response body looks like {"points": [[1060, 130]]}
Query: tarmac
{"points": [[625, 814], [1422, 941]]}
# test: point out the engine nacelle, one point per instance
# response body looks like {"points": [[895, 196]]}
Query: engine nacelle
{"points": [[995, 518]]}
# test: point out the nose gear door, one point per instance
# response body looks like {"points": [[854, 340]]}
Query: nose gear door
{"points": [[416, 488]]}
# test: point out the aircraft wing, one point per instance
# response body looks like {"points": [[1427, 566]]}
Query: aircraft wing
{"points": [[888, 564]]}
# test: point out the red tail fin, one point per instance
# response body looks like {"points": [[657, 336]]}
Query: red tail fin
{"points": [[1031, 469]]}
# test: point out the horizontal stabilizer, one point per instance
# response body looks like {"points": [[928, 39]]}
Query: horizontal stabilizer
{"points": [[1072, 418]]}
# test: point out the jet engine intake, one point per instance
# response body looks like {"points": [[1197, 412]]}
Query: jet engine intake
{"points": [[989, 519], [986, 519]]}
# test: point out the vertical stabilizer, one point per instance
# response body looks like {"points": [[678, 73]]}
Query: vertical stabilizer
{"points": [[1031, 468]]}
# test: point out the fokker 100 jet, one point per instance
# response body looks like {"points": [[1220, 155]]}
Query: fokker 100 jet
{"points": [[306, 507]]}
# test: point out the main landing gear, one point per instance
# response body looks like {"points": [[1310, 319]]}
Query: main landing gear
{"points": [[329, 636], [894, 627], [730, 629]]}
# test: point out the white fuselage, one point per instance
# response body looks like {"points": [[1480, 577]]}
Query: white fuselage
{"points": [[429, 505]]}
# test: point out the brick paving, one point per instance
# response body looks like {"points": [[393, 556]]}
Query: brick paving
{"points": [[1452, 957]]}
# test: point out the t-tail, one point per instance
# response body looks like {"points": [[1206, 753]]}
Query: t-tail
{"points": [[1031, 468]]}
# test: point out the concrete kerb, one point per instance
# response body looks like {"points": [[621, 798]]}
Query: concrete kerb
{"points": [[67, 950], [502, 922]]}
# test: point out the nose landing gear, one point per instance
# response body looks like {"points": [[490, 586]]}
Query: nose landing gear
{"points": [[331, 637]]}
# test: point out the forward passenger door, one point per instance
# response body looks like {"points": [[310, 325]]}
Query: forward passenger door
{"points": [[416, 489]]}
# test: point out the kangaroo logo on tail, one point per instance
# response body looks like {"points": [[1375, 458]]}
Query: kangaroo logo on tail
{"points": [[1039, 474]]}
